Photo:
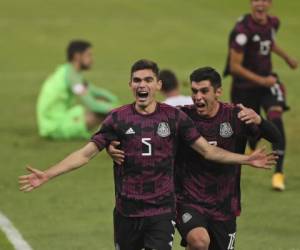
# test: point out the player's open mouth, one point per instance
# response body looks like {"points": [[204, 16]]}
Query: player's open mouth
{"points": [[200, 105], [260, 10], [142, 95]]}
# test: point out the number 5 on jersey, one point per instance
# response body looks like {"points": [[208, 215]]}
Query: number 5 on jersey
{"points": [[147, 147]]}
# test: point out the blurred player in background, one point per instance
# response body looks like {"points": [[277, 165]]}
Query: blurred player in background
{"points": [[148, 132], [255, 85], [170, 89], [68, 106], [209, 195]]}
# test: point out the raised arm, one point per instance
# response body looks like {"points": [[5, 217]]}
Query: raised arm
{"points": [[257, 159], [75, 160]]}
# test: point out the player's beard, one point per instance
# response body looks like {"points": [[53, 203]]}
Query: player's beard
{"points": [[84, 66]]}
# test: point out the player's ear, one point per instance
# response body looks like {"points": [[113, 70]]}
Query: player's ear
{"points": [[159, 84], [219, 92]]}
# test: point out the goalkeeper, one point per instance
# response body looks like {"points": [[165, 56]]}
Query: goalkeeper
{"points": [[68, 107]]}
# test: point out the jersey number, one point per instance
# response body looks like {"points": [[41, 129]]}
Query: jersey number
{"points": [[147, 147], [265, 47], [276, 91]]}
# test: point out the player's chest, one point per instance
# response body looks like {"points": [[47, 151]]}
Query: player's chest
{"points": [[221, 133], [261, 42], [148, 136]]}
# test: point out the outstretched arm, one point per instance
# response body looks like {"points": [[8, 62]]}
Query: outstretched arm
{"points": [[75, 160], [293, 63], [257, 159]]}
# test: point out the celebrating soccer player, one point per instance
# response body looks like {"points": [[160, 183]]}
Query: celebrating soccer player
{"points": [[148, 133], [208, 195], [254, 83]]}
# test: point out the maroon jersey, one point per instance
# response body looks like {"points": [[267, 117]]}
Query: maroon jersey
{"points": [[211, 188], [144, 183], [255, 41]]}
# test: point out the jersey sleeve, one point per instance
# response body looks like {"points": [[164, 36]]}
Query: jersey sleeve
{"points": [[186, 129], [275, 23], [239, 37], [106, 133]]}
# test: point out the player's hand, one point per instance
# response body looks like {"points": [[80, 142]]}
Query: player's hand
{"points": [[117, 155], [260, 159], [293, 63], [33, 180], [269, 81], [248, 115]]}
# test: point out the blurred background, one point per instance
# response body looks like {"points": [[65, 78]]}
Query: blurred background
{"points": [[75, 212]]}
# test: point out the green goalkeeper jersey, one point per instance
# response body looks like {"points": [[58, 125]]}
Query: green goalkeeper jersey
{"points": [[58, 97]]}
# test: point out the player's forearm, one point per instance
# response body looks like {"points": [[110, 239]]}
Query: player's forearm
{"points": [[239, 70], [217, 154], [223, 156], [269, 131], [73, 161], [280, 52]]}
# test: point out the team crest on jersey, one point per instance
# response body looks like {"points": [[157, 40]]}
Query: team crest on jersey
{"points": [[163, 129], [226, 130]]}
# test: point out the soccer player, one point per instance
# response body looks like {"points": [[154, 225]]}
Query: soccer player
{"points": [[208, 195], [170, 89], [254, 84], [148, 132], [59, 114]]}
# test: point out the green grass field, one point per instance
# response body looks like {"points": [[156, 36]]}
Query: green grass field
{"points": [[74, 212]]}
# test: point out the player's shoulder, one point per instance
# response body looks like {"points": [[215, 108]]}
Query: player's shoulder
{"points": [[274, 21], [187, 108], [242, 23], [167, 107], [122, 109], [171, 111], [230, 107]]}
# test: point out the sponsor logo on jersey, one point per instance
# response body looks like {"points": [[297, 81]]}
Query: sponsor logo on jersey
{"points": [[186, 217], [256, 38], [226, 130], [130, 131], [163, 129]]}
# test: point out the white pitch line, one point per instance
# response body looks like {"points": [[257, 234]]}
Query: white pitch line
{"points": [[12, 234]]}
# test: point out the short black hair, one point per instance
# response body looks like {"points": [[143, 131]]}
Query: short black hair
{"points": [[207, 73], [77, 46], [169, 80], [144, 64]]}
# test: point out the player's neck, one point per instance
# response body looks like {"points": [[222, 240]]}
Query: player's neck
{"points": [[146, 110], [76, 66], [214, 110], [260, 21]]}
